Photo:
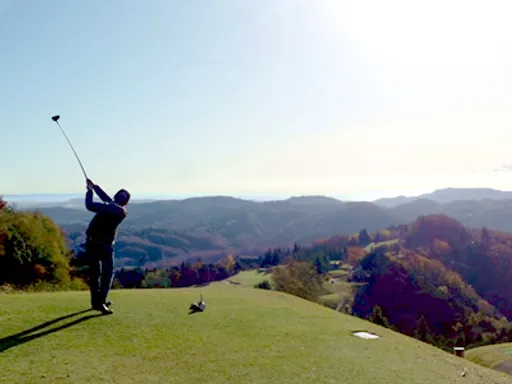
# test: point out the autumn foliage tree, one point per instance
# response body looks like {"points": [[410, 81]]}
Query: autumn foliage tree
{"points": [[299, 278], [33, 250]]}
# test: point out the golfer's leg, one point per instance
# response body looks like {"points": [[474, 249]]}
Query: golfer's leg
{"points": [[107, 275], [94, 276]]}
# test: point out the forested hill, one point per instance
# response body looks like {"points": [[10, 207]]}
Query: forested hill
{"points": [[166, 232], [433, 279], [481, 258]]}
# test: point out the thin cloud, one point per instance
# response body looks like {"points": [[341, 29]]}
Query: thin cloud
{"points": [[503, 168]]}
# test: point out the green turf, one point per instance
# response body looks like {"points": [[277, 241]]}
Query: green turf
{"points": [[338, 273], [331, 300], [249, 278], [370, 247], [490, 355], [340, 286], [245, 335]]}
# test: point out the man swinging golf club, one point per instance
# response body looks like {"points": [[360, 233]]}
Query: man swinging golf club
{"points": [[99, 247]]}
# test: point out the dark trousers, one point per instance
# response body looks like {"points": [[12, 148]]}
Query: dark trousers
{"points": [[101, 268]]}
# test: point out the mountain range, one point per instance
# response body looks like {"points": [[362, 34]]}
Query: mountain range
{"points": [[448, 195], [165, 232]]}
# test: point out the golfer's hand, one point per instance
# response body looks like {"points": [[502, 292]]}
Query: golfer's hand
{"points": [[90, 184]]}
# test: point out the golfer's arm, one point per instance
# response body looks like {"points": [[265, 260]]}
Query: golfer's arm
{"points": [[101, 194], [90, 205], [101, 207]]}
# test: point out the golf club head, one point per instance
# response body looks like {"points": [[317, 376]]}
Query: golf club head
{"points": [[55, 118]]}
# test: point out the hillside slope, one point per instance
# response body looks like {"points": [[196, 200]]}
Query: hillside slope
{"points": [[245, 335], [498, 356]]}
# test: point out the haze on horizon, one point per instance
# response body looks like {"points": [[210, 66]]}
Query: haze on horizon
{"points": [[351, 99]]}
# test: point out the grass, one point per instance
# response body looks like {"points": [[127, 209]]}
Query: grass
{"points": [[249, 278], [337, 287], [245, 335], [492, 356], [331, 300], [370, 247], [340, 286], [338, 273]]}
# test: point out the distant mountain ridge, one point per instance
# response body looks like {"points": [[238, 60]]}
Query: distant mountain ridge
{"points": [[165, 231], [445, 195], [448, 195]]}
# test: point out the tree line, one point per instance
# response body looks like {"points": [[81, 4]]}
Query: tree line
{"points": [[186, 275]]}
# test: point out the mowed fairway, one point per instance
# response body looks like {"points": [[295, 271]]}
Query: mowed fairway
{"points": [[245, 335], [497, 356], [248, 278]]}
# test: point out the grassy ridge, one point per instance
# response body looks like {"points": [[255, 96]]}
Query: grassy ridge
{"points": [[245, 335], [249, 278], [497, 356]]}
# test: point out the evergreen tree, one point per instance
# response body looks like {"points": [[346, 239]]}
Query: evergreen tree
{"points": [[423, 332], [364, 238], [276, 258], [377, 317], [321, 265], [267, 259]]}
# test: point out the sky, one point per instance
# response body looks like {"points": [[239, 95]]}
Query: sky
{"points": [[350, 99]]}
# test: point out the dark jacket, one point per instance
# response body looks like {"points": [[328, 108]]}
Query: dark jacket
{"points": [[103, 226]]}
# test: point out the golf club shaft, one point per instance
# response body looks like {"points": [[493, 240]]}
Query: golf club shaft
{"points": [[71, 145]]}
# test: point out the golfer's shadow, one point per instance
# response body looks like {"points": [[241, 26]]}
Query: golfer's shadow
{"points": [[27, 335]]}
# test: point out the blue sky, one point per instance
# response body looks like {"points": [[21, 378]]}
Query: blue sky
{"points": [[257, 97]]}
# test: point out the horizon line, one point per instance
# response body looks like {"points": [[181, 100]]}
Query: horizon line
{"points": [[266, 197]]}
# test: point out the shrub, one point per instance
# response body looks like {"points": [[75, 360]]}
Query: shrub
{"points": [[265, 284]]}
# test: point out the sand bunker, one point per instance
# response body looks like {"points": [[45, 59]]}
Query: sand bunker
{"points": [[366, 335]]}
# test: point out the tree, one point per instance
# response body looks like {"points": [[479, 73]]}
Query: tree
{"points": [[229, 264], [377, 317], [298, 278], [267, 259], [221, 273], [188, 275], [33, 250], [364, 238], [486, 238], [204, 274], [321, 264], [276, 258], [423, 332], [175, 277]]}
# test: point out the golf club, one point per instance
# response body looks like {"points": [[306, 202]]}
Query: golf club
{"points": [[56, 119]]}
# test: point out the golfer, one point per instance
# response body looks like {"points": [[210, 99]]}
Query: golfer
{"points": [[99, 247]]}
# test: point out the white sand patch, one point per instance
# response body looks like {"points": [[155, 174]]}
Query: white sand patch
{"points": [[366, 335]]}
